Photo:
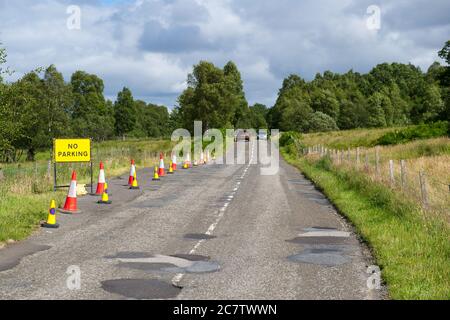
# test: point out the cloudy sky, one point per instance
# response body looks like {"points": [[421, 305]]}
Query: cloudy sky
{"points": [[151, 45]]}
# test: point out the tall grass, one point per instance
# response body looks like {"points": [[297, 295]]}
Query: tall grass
{"points": [[430, 156], [412, 250], [27, 187]]}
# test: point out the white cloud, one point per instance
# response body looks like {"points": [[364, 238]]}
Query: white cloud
{"points": [[151, 45]]}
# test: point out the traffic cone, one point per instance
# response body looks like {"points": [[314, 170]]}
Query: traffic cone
{"points": [[155, 174], [187, 161], [101, 180], [70, 206], [132, 172], [134, 184], [51, 220], [170, 167], [105, 196], [174, 162], [161, 171]]}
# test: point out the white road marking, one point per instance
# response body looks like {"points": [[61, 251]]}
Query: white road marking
{"points": [[179, 276]]}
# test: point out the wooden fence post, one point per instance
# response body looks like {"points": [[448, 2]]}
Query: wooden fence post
{"points": [[366, 161], [357, 157], [403, 173], [377, 161], [391, 172], [49, 169], [423, 189]]}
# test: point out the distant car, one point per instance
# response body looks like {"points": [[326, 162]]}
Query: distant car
{"points": [[262, 135], [242, 135]]}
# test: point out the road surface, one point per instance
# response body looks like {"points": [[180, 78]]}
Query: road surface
{"points": [[211, 232]]}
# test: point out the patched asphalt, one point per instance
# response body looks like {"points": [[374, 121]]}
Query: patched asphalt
{"points": [[216, 231]]}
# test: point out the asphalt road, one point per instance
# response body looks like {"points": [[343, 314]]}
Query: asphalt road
{"points": [[210, 232]]}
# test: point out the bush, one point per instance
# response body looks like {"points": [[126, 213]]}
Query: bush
{"points": [[424, 131], [289, 137], [321, 122]]}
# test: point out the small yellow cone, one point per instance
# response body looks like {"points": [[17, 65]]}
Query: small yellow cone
{"points": [[105, 196], [170, 168], [155, 175], [134, 185], [51, 220]]}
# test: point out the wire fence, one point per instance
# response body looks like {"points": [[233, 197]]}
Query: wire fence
{"points": [[37, 177], [424, 180]]}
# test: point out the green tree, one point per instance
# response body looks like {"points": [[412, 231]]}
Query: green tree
{"points": [[124, 112], [325, 101], [90, 115], [293, 106], [376, 117], [258, 115], [214, 96]]}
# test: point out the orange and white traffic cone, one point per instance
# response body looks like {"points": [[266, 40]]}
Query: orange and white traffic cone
{"points": [[70, 206], [161, 171], [174, 162], [101, 180], [51, 220], [134, 184], [132, 172]]}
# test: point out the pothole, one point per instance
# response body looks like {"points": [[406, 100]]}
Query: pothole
{"points": [[314, 232], [145, 266], [141, 288], [323, 202], [319, 229], [173, 264], [130, 255], [324, 257], [12, 255], [196, 267], [318, 240], [191, 257], [313, 196], [198, 236], [300, 182]]}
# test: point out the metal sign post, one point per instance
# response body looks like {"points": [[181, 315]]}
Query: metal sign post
{"points": [[71, 151]]}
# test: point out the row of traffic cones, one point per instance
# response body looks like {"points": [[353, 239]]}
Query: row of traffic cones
{"points": [[70, 205]]}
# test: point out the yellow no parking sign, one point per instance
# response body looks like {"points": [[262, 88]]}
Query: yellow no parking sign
{"points": [[72, 150]]}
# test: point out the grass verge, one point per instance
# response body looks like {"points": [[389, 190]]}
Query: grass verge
{"points": [[26, 188], [413, 252]]}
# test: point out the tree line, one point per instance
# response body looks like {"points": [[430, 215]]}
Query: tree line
{"points": [[41, 106], [389, 95]]}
